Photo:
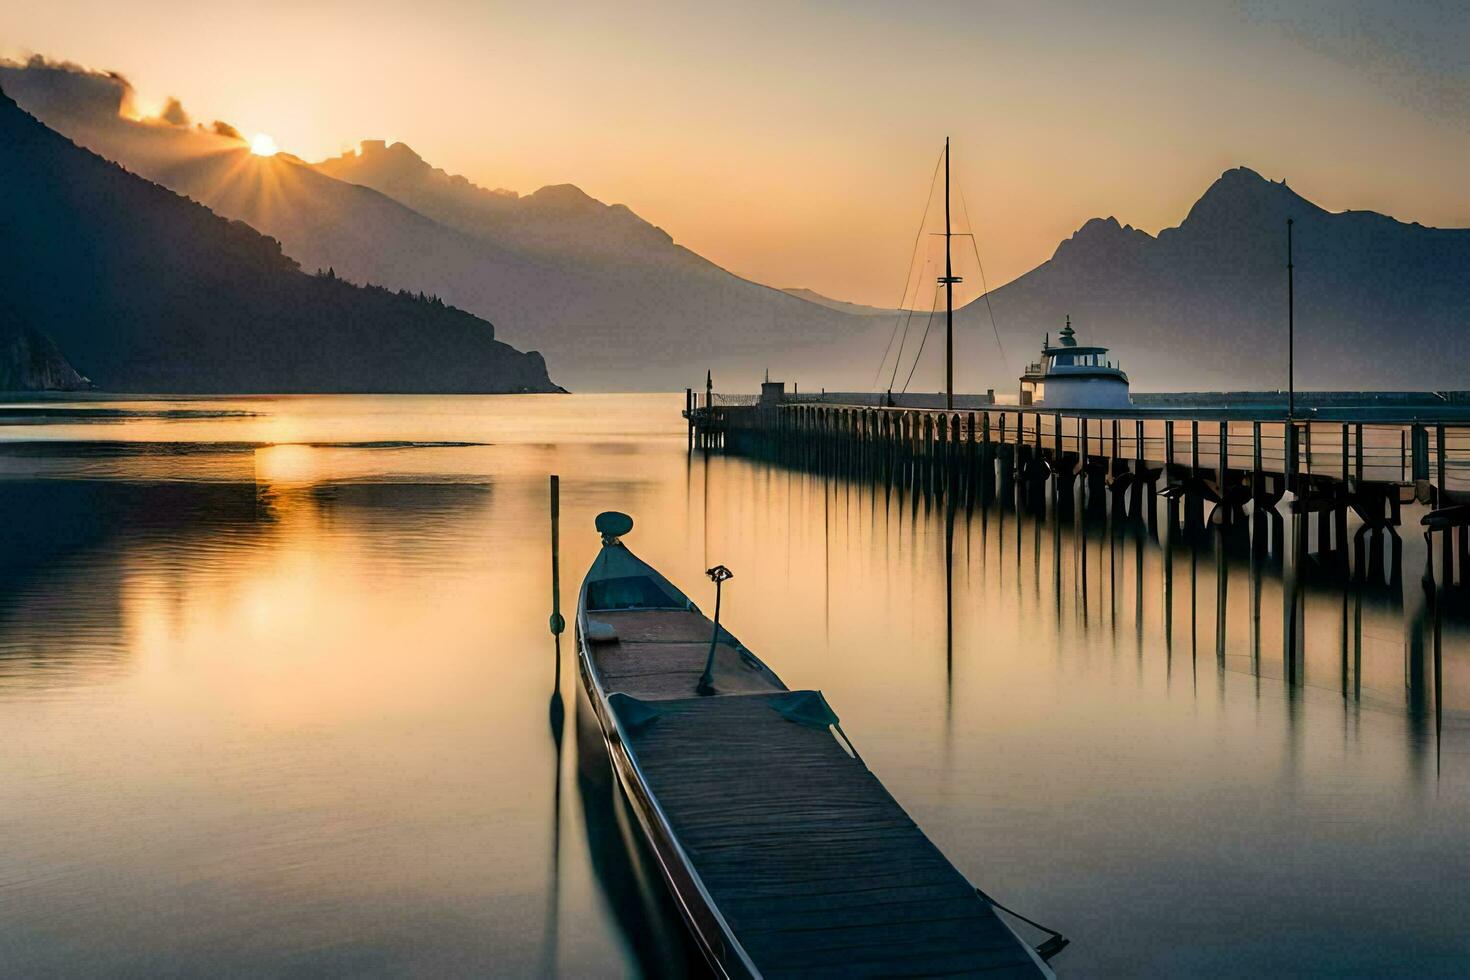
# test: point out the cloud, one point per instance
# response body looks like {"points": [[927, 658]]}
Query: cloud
{"points": [[173, 113], [61, 88], [64, 94]]}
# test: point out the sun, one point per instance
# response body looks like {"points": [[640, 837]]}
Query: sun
{"points": [[263, 146]]}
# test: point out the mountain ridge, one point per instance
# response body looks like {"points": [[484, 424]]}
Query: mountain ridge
{"points": [[617, 306], [1380, 303], [146, 291]]}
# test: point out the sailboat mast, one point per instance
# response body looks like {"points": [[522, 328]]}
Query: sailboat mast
{"points": [[948, 295]]}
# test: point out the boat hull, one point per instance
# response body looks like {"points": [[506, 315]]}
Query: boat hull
{"points": [[715, 941], [822, 867], [1084, 393]]}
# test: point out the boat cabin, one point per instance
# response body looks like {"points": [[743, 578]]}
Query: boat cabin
{"points": [[1070, 375]]}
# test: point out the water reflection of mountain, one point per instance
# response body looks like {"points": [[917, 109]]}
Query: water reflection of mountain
{"points": [[74, 553], [392, 502], [64, 556]]}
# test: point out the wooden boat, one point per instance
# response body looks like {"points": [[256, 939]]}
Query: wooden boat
{"points": [[784, 853]]}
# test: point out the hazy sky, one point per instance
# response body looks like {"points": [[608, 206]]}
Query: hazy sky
{"points": [[792, 143]]}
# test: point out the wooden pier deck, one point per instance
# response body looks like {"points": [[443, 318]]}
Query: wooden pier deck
{"points": [[1210, 462], [1387, 442]]}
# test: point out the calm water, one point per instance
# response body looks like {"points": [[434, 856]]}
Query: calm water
{"points": [[277, 697]]}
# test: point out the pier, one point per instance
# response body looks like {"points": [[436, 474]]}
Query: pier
{"points": [[1231, 465]]}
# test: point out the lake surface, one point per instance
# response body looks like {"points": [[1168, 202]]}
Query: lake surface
{"points": [[277, 696]]}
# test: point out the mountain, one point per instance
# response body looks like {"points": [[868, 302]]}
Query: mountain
{"points": [[30, 361], [610, 299], [618, 304], [1380, 304], [560, 220], [145, 291], [856, 309]]}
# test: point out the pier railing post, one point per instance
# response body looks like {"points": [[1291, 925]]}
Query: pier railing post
{"points": [[1258, 483], [1340, 506], [1419, 454], [1358, 451], [1057, 446], [1224, 454], [987, 461], [1172, 503], [971, 468], [1291, 461], [1440, 501]]}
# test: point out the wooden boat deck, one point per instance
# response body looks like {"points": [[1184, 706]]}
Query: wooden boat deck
{"points": [[660, 655], [815, 867]]}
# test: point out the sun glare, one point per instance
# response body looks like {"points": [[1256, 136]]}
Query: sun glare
{"points": [[263, 146]]}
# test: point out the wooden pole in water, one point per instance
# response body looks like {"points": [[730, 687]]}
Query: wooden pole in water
{"points": [[558, 623]]}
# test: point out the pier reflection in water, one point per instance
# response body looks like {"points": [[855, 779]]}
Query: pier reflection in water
{"points": [[278, 696]]}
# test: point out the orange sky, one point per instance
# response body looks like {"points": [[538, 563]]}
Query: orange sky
{"points": [[793, 143]]}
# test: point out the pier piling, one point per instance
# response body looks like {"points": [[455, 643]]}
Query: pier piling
{"points": [[1044, 461]]}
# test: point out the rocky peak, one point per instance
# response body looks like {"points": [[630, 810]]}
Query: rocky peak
{"points": [[1242, 195], [395, 160], [564, 199], [1102, 237]]}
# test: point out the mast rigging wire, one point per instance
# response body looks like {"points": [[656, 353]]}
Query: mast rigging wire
{"points": [[898, 358], [920, 352], [1004, 363], [913, 255]]}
